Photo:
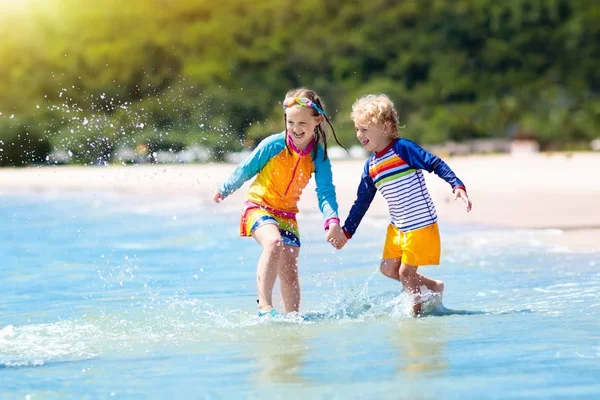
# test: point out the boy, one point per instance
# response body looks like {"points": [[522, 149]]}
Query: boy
{"points": [[395, 169]]}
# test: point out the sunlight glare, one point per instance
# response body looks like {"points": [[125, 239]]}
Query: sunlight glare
{"points": [[17, 6]]}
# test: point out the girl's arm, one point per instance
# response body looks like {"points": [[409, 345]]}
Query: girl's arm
{"points": [[252, 165], [417, 157], [364, 196], [325, 189]]}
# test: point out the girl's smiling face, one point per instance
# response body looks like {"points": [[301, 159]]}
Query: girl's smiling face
{"points": [[300, 125]]}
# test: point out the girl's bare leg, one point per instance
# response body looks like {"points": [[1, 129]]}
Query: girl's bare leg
{"points": [[269, 238], [288, 278]]}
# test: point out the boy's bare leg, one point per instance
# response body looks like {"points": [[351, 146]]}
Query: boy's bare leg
{"points": [[411, 282], [431, 284], [288, 278], [269, 238], [390, 267], [409, 277]]}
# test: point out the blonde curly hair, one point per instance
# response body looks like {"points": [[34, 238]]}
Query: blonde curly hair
{"points": [[376, 109]]}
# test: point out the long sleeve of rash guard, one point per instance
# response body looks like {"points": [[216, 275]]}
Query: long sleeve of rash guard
{"points": [[417, 157], [364, 196], [252, 165]]}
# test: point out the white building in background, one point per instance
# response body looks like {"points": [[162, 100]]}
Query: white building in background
{"points": [[235, 158], [336, 153], [524, 147], [358, 152], [58, 156], [354, 152], [193, 154]]}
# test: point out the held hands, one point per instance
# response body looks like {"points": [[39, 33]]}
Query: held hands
{"points": [[218, 197], [463, 195], [336, 236]]}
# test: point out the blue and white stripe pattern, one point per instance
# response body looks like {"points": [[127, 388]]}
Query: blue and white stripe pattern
{"points": [[397, 173], [404, 189]]}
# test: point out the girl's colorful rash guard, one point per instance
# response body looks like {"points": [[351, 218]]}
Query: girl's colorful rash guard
{"points": [[396, 173], [281, 175]]}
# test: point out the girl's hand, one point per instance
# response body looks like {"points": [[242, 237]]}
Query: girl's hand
{"points": [[463, 195], [218, 197], [336, 236]]}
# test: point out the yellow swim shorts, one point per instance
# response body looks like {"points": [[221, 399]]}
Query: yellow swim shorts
{"points": [[419, 247]]}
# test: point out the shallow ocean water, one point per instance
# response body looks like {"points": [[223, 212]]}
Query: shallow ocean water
{"points": [[108, 296]]}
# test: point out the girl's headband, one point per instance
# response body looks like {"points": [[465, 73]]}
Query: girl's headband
{"points": [[302, 102]]}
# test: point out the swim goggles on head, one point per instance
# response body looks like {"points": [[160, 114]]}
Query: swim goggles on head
{"points": [[303, 102]]}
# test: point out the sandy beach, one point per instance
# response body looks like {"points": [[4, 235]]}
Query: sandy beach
{"points": [[539, 191]]}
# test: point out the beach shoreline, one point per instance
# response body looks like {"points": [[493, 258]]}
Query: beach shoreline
{"points": [[538, 191]]}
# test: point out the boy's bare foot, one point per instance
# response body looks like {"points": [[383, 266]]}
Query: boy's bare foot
{"points": [[439, 287]]}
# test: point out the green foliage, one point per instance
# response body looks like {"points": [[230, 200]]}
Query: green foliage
{"points": [[169, 74], [22, 142]]}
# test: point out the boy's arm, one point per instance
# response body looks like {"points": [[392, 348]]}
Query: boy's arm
{"points": [[364, 196], [325, 190], [417, 157], [251, 165]]}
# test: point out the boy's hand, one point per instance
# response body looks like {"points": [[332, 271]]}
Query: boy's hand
{"points": [[218, 197], [335, 236], [463, 195]]}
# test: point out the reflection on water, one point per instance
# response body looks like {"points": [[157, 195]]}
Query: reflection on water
{"points": [[421, 347], [279, 354]]}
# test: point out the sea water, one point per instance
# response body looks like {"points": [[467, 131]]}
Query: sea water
{"points": [[104, 296]]}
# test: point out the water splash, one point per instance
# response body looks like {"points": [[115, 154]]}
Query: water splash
{"points": [[179, 321]]}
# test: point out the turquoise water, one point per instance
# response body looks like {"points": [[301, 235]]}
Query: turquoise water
{"points": [[108, 297]]}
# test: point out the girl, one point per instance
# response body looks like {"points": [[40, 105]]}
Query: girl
{"points": [[283, 164], [395, 169]]}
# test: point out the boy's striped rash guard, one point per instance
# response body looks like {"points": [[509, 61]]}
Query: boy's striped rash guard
{"points": [[281, 175], [397, 173]]}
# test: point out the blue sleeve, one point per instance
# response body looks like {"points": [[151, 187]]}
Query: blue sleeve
{"points": [[252, 165], [364, 196], [324, 186], [417, 157]]}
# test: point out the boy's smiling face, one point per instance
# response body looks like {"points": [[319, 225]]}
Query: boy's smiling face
{"points": [[373, 137]]}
